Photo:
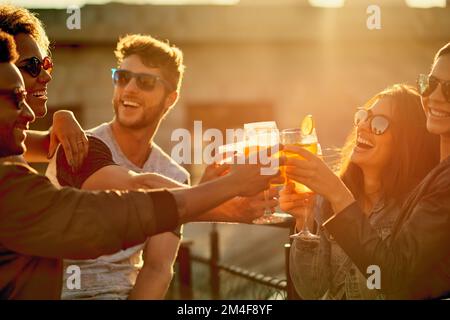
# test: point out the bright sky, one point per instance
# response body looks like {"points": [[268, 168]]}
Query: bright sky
{"points": [[321, 3]]}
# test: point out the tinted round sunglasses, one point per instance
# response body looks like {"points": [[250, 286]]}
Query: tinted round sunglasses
{"points": [[426, 84], [33, 66], [144, 81], [378, 123]]}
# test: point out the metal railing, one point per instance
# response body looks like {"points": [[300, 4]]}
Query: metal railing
{"points": [[207, 278]]}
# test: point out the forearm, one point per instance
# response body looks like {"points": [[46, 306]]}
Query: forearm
{"points": [[154, 278], [151, 283], [340, 197], [190, 201], [215, 214], [37, 143], [219, 213], [154, 181], [204, 197]]}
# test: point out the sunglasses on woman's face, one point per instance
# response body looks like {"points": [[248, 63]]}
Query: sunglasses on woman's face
{"points": [[378, 123], [426, 84], [144, 81], [34, 66], [17, 96]]}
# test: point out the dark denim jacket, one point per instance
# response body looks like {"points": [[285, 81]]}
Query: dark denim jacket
{"points": [[323, 271]]}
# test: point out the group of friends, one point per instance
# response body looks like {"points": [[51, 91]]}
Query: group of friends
{"points": [[113, 202]]}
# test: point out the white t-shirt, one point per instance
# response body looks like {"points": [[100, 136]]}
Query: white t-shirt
{"points": [[113, 276]]}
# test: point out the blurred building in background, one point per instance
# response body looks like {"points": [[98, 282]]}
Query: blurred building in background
{"points": [[253, 61]]}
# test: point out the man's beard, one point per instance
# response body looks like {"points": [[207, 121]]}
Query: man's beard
{"points": [[143, 122]]}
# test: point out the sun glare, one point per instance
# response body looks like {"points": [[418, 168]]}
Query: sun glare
{"points": [[426, 3], [327, 3]]}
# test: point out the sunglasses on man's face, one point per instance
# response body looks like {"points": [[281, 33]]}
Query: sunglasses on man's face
{"points": [[144, 81], [17, 96], [426, 84], [378, 123], [33, 66]]}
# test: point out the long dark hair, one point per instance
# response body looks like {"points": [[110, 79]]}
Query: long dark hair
{"points": [[416, 150]]}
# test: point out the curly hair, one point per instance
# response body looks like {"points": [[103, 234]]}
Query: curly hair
{"points": [[154, 54], [15, 20], [8, 51]]}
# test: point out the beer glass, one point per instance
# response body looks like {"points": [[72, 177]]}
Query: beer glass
{"points": [[309, 142], [259, 136]]}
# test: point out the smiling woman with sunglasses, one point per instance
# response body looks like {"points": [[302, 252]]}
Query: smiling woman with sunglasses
{"points": [[414, 262], [381, 162], [36, 67]]}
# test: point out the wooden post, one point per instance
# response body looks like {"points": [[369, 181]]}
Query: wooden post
{"points": [[185, 270], [214, 268]]}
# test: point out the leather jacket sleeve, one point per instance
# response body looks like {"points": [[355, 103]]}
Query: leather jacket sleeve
{"points": [[38, 219], [409, 257]]}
